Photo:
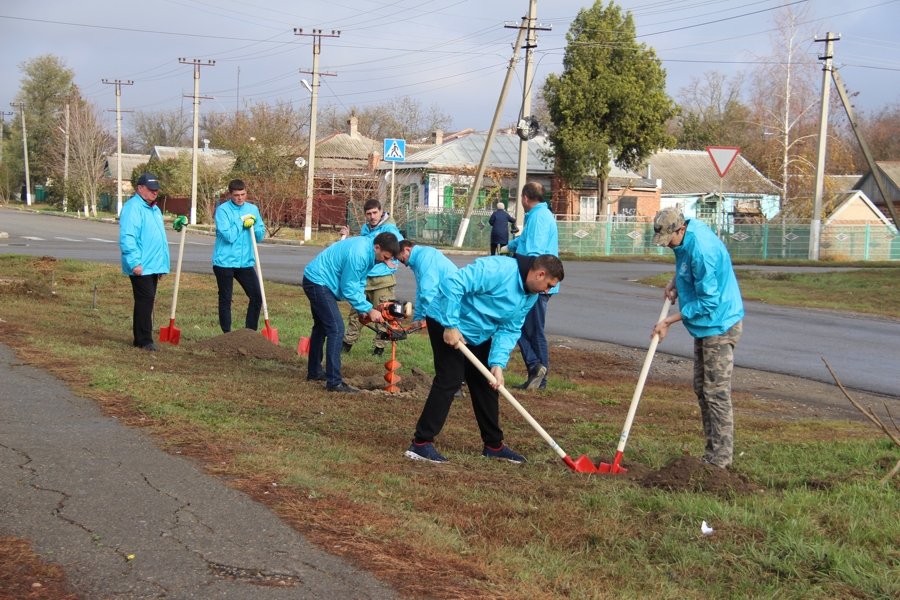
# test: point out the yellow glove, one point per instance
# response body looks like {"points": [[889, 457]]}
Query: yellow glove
{"points": [[249, 220]]}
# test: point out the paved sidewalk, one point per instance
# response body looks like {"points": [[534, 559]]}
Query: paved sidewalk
{"points": [[89, 493]]}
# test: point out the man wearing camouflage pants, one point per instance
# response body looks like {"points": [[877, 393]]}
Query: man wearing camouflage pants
{"points": [[712, 311]]}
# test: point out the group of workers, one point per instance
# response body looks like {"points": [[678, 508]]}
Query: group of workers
{"points": [[491, 305]]}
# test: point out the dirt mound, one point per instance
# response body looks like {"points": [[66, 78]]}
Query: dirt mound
{"points": [[249, 343], [414, 383], [690, 474]]}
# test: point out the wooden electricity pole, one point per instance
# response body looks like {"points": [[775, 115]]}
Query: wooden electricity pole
{"points": [[815, 226], [118, 83], [21, 107], [196, 96]]}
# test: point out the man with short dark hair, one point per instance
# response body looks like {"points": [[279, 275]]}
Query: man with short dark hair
{"points": [[381, 280], [711, 308], [482, 305], [233, 256], [539, 236], [145, 255], [339, 273]]}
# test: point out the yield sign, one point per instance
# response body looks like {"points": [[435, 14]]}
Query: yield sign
{"points": [[722, 158]]}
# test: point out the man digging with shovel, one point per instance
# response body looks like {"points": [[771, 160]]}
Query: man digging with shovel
{"points": [[712, 311], [482, 306]]}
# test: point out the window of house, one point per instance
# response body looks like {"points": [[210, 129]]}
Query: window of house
{"points": [[587, 208]]}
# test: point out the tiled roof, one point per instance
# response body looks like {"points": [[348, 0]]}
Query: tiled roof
{"points": [[341, 145], [219, 159], [129, 163], [891, 169], [692, 172], [465, 152]]}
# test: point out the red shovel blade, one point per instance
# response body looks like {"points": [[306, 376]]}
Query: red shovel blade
{"points": [[613, 468], [582, 465], [170, 334], [270, 334]]}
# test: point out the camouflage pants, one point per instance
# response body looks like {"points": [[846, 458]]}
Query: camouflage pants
{"points": [[713, 364], [378, 290]]}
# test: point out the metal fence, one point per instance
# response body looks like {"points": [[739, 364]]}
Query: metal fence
{"points": [[632, 236]]}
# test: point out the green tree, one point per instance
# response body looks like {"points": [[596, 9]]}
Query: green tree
{"points": [[45, 79], [610, 100]]}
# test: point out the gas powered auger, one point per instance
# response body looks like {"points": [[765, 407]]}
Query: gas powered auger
{"points": [[392, 329]]}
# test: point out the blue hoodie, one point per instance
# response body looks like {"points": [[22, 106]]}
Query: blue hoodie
{"points": [[234, 248], [485, 299], [386, 224], [342, 268], [708, 293], [430, 267], [539, 236], [142, 238]]}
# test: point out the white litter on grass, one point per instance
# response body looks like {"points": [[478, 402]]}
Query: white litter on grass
{"points": [[706, 529]]}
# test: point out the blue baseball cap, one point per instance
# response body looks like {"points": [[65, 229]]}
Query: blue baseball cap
{"points": [[149, 181]]}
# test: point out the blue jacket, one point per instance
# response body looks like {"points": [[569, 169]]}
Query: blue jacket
{"points": [[500, 221], [485, 299], [342, 268], [430, 267], [387, 224], [708, 293], [539, 236], [234, 249], [142, 238]]}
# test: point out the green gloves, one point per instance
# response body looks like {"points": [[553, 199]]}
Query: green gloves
{"points": [[179, 222], [249, 220]]}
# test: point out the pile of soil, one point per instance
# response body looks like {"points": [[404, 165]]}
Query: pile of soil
{"points": [[249, 343], [414, 383], [690, 474]]}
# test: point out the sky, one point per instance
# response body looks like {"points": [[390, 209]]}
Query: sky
{"points": [[452, 53]]}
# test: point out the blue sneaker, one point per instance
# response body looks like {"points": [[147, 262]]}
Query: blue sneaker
{"points": [[425, 452], [503, 453]]}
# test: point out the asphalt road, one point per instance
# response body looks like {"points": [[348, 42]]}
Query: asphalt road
{"points": [[599, 301]]}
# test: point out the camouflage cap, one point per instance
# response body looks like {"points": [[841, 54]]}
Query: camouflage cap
{"points": [[665, 224]]}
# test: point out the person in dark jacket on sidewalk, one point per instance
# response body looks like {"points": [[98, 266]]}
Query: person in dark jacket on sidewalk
{"points": [[145, 255], [499, 222], [233, 256]]}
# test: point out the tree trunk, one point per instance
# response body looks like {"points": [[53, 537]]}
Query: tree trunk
{"points": [[602, 194]]}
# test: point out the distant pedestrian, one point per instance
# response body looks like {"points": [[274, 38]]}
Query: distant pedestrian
{"points": [[483, 306], [233, 257], [712, 311], [339, 273], [499, 222], [381, 280], [145, 255], [539, 236]]}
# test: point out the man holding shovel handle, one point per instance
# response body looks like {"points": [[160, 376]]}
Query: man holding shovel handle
{"points": [[712, 311]]}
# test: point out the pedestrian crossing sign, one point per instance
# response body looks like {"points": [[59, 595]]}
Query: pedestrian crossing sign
{"points": [[395, 150]]}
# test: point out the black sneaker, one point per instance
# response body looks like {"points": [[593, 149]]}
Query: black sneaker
{"points": [[378, 351], [320, 377], [424, 451], [346, 348], [503, 453], [151, 347], [535, 378], [342, 387]]}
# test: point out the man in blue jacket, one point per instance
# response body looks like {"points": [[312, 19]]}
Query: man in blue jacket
{"points": [[539, 236], [381, 280], [233, 257], [430, 267], [339, 273], [499, 223], [711, 308], [483, 306], [145, 255]]}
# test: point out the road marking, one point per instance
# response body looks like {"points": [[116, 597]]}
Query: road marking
{"points": [[67, 239], [102, 240], [197, 243], [33, 239]]}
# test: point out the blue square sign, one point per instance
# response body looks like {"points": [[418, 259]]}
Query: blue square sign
{"points": [[395, 150]]}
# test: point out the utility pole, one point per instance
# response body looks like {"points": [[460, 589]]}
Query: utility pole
{"points": [[489, 143], [118, 83], [21, 107], [525, 121], [815, 226], [197, 64], [66, 164], [317, 36], [3, 115]]}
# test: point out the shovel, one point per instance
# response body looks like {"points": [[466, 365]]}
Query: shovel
{"points": [[615, 467], [582, 465], [172, 334], [269, 333]]}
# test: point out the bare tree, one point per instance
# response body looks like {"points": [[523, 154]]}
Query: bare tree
{"points": [[168, 127], [712, 112], [400, 117]]}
